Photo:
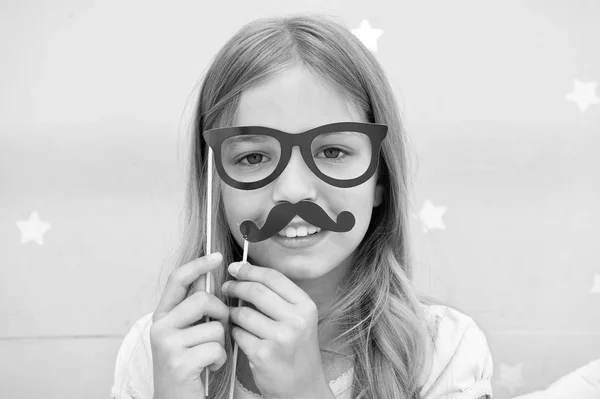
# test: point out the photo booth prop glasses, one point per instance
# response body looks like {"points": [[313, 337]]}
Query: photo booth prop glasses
{"points": [[342, 154]]}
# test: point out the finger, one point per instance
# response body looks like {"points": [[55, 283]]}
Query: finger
{"points": [[180, 280], [274, 279], [200, 286], [261, 297], [195, 307], [254, 322], [210, 354], [202, 333], [200, 283], [246, 341]]}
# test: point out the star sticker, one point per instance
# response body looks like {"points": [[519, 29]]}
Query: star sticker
{"points": [[583, 94], [511, 377], [33, 229], [596, 286], [431, 216], [367, 35]]}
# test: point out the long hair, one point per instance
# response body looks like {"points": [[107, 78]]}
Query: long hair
{"points": [[381, 312]]}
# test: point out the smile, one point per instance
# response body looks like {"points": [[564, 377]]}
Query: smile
{"points": [[300, 231]]}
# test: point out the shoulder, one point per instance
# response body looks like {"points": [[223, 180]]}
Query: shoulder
{"points": [[133, 367], [461, 363]]}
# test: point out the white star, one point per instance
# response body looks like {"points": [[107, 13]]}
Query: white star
{"points": [[367, 35], [583, 94], [431, 216], [33, 229], [596, 286], [511, 377]]}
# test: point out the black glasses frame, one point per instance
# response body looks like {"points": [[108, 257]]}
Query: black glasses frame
{"points": [[375, 131]]}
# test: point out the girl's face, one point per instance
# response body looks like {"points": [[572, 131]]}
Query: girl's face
{"points": [[296, 101]]}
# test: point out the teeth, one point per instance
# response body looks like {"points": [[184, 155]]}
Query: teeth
{"points": [[301, 231], [290, 232]]}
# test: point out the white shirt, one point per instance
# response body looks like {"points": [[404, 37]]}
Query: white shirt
{"points": [[583, 383], [461, 366]]}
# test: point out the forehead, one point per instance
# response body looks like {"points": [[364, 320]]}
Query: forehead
{"points": [[295, 101]]}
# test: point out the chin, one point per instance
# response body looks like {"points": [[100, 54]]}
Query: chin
{"points": [[297, 266], [296, 273]]}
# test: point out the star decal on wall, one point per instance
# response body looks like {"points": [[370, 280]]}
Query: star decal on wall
{"points": [[431, 216], [583, 94], [368, 35], [510, 377], [33, 229]]}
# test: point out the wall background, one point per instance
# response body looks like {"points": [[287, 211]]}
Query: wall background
{"points": [[95, 103]]}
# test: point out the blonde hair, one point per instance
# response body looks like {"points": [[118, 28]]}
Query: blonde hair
{"points": [[378, 307]]}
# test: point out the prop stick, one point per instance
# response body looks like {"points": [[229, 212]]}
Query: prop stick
{"points": [[235, 346], [208, 243]]}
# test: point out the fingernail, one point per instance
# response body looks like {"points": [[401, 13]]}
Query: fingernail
{"points": [[214, 256], [234, 268]]}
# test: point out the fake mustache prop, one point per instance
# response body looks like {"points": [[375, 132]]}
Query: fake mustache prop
{"points": [[283, 213]]}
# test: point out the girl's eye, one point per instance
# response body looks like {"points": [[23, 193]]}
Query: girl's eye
{"points": [[332, 152], [252, 159]]}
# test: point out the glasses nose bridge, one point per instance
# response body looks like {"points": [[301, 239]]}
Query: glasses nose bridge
{"points": [[298, 140], [297, 181]]}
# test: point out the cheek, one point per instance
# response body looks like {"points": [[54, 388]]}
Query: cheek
{"points": [[240, 205], [361, 205], [360, 202], [234, 212], [364, 211]]}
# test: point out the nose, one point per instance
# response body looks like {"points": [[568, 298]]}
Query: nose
{"points": [[296, 183]]}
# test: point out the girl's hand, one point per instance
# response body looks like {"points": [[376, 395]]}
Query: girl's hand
{"points": [[282, 345], [182, 348]]}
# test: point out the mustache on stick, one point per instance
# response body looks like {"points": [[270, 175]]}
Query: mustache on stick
{"points": [[283, 213]]}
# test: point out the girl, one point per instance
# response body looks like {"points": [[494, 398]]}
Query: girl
{"points": [[329, 313]]}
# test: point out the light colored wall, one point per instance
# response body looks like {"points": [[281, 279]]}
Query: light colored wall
{"points": [[95, 103]]}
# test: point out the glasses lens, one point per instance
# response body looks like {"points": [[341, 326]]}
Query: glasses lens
{"points": [[250, 158], [342, 155]]}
